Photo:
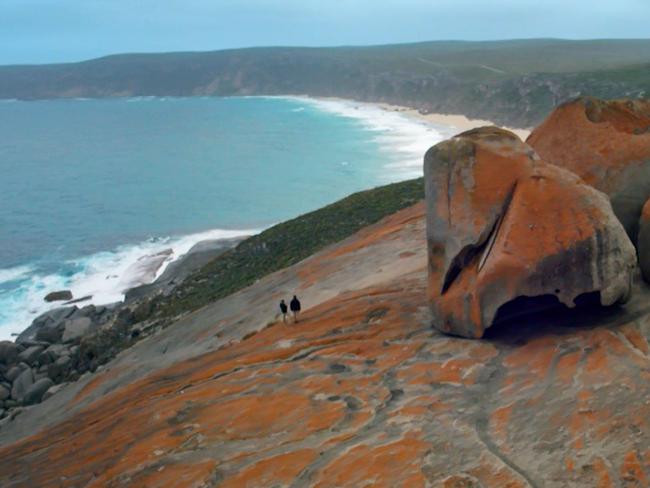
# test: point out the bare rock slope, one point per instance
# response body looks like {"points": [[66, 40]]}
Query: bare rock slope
{"points": [[361, 392]]}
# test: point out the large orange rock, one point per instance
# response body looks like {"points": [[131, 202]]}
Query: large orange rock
{"points": [[643, 242], [607, 144], [502, 224]]}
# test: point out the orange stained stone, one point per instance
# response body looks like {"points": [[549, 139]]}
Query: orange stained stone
{"points": [[394, 464], [602, 472], [632, 471], [281, 469]]}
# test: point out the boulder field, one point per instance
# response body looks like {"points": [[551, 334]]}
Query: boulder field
{"points": [[361, 392]]}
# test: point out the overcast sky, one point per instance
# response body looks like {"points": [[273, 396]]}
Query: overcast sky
{"points": [[42, 31]]}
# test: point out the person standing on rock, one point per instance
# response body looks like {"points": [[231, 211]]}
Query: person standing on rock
{"points": [[283, 309], [295, 308]]}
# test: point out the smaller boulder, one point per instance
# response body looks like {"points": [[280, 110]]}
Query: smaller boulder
{"points": [[4, 393], [53, 390], [75, 329], [35, 392], [50, 332], [15, 371], [31, 354], [59, 368], [49, 318], [58, 296], [21, 384], [8, 352]]}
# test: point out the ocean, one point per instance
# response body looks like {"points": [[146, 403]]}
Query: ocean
{"points": [[89, 187]]}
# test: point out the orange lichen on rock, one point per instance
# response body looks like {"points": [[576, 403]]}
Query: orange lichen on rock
{"points": [[502, 224], [643, 241], [360, 392], [607, 144]]}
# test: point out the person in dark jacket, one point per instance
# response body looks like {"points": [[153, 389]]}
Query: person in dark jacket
{"points": [[283, 309], [295, 307]]}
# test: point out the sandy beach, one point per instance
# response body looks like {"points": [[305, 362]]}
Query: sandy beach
{"points": [[457, 121]]}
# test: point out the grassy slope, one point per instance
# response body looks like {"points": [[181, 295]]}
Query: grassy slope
{"points": [[288, 243], [277, 247]]}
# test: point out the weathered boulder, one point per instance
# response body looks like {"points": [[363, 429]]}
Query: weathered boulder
{"points": [[51, 332], [21, 384], [57, 350], [503, 224], [59, 368], [607, 144], [35, 392], [31, 354], [76, 328], [4, 393], [8, 352], [51, 318], [13, 372], [58, 296]]}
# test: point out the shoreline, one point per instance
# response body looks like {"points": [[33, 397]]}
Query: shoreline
{"points": [[427, 130], [459, 122]]}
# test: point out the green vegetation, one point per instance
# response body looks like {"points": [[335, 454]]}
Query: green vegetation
{"points": [[511, 82], [286, 244]]}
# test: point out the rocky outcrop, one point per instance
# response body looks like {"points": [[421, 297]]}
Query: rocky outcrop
{"points": [[362, 392], [503, 224], [607, 144]]}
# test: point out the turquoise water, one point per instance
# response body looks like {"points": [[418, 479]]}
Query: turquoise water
{"points": [[90, 186]]}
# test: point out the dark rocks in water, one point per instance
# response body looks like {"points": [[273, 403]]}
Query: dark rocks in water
{"points": [[58, 296], [78, 300], [8, 352], [21, 384], [35, 392], [502, 223]]}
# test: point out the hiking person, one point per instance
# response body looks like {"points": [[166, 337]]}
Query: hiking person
{"points": [[283, 309], [295, 307]]}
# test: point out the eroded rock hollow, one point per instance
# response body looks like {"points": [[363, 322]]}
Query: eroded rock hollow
{"points": [[502, 224]]}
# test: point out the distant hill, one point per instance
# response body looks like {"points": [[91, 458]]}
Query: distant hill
{"points": [[511, 82]]}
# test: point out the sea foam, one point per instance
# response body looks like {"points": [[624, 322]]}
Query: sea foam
{"points": [[103, 276], [403, 138]]}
